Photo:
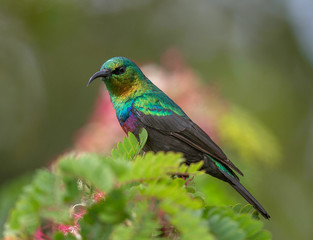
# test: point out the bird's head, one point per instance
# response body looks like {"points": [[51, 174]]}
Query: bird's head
{"points": [[120, 75]]}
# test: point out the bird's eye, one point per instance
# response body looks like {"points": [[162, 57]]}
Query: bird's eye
{"points": [[119, 70]]}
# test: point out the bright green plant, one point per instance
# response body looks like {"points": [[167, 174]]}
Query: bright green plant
{"points": [[126, 196]]}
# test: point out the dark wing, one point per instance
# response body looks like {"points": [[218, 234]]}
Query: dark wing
{"points": [[182, 128], [196, 137]]}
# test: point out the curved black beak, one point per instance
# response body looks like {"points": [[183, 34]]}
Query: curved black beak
{"points": [[104, 73]]}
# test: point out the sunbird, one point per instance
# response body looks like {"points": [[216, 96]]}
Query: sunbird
{"points": [[138, 103]]}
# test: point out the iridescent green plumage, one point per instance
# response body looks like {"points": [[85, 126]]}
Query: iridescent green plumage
{"points": [[135, 89], [139, 103]]}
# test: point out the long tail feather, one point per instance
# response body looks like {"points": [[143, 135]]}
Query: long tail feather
{"points": [[224, 173], [244, 192]]}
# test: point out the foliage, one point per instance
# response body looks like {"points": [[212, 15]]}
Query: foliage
{"points": [[9, 193], [125, 196]]}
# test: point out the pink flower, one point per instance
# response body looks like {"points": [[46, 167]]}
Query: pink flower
{"points": [[99, 196], [65, 229], [39, 235]]}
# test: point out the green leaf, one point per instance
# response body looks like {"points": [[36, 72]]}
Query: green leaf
{"points": [[100, 219], [190, 226], [90, 168], [127, 149], [10, 193], [225, 222], [24, 218], [179, 182], [246, 209], [142, 226], [153, 166], [262, 235], [143, 136], [237, 208], [139, 199], [111, 210], [130, 147], [61, 236]]}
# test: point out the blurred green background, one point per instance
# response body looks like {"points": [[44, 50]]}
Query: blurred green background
{"points": [[258, 53]]}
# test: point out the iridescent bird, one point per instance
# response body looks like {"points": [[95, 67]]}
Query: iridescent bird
{"points": [[139, 103]]}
